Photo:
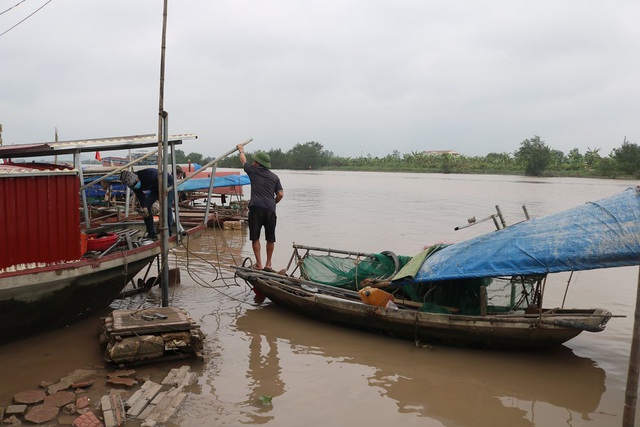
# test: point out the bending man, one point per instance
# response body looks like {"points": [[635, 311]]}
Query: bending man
{"points": [[147, 180]]}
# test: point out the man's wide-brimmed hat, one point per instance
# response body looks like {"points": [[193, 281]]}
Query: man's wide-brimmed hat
{"points": [[263, 158], [129, 179]]}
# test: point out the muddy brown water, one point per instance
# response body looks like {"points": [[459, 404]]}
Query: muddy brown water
{"points": [[317, 374]]}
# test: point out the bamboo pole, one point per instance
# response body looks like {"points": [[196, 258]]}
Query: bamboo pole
{"points": [[119, 169], [212, 162], [631, 392], [331, 251], [483, 301]]}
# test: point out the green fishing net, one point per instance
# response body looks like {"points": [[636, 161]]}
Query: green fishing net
{"points": [[464, 296], [349, 272], [451, 296]]}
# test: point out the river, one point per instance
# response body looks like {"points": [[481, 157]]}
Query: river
{"points": [[317, 374]]}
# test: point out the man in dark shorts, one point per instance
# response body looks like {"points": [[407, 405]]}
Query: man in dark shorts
{"points": [[266, 192]]}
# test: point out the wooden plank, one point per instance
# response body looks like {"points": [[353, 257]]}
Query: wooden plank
{"points": [[166, 406], [141, 398], [171, 407], [152, 330], [180, 377], [132, 320], [166, 403], [119, 327], [195, 215], [152, 405]]}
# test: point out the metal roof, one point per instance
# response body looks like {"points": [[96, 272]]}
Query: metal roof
{"points": [[57, 148]]}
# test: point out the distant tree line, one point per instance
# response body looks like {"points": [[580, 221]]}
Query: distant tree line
{"points": [[533, 158]]}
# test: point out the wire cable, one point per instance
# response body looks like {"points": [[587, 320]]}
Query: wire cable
{"points": [[28, 16], [16, 5]]}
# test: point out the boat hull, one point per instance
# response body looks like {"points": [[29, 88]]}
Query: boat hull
{"points": [[40, 299], [36, 299], [502, 332]]}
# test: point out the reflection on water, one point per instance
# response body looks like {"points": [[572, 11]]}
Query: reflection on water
{"points": [[264, 374], [429, 383]]}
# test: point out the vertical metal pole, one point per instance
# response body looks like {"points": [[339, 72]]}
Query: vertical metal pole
{"points": [[77, 161], [174, 190], [164, 218], [213, 177], [55, 158], [127, 194], [631, 392], [162, 147], [504, 224]]}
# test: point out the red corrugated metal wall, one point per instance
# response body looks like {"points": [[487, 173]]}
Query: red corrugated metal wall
{"points": [[39, 219]]}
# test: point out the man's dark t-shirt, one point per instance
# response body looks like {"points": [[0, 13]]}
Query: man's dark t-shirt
{"points": [[264, 186]]}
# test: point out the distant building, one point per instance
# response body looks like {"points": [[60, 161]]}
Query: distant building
{"points": [[121, 161], [441, 152]]}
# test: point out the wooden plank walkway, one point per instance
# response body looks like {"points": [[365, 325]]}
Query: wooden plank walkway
{"points": [[180, 377], [141, 398], [163, 406], [153, 403]]}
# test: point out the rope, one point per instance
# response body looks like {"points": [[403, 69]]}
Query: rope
{"points": [[217, 269], [204, 282]]}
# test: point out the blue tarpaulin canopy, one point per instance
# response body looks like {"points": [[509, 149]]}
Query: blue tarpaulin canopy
{"points": [[191, 185], [596, 235], [194, 183], [219, 181]]}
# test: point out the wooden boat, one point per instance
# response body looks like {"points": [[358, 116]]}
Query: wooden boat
{"points": [[486, 292], [108, 197], [56, 268], [227, 186]]}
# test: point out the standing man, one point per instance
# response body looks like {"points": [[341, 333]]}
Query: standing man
{"points": [[266, 192], [147, 180]]}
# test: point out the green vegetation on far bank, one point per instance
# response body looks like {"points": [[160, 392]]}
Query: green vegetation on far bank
{"points": [[533, 158]]}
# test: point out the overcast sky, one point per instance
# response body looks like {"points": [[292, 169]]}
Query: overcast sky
{"points": [[361, 77]]}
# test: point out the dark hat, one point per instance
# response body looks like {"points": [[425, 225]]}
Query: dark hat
{"points": [[262, 158]]}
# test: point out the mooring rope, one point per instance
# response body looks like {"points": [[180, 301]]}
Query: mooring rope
{"points": [[219, 276]]}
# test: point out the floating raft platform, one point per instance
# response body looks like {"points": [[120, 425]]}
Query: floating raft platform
{"points": [[133, 337]]}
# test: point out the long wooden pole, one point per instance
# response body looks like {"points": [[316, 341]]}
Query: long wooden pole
{"points": [[631, 393], [162, 172]]}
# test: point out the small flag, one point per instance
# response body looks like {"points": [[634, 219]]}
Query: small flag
{"points": [[98, 156]]}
